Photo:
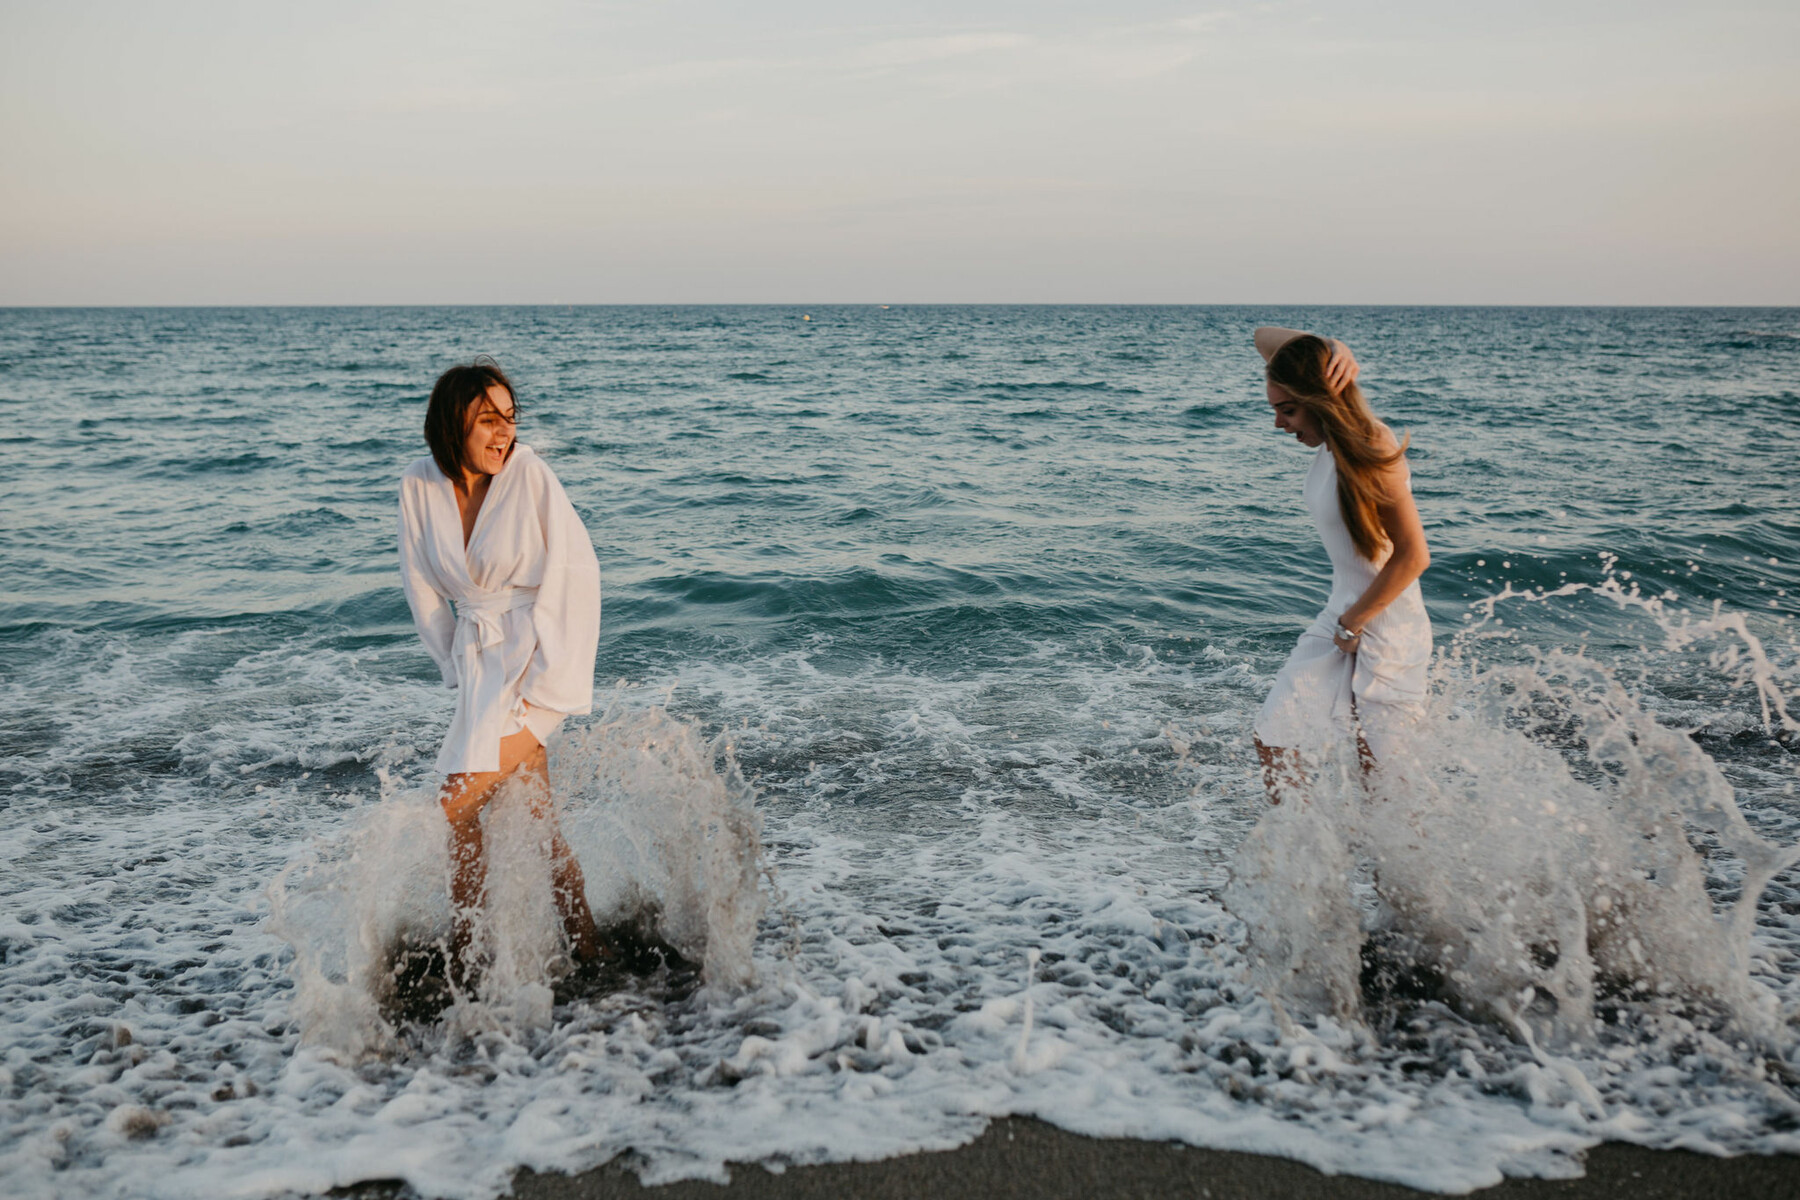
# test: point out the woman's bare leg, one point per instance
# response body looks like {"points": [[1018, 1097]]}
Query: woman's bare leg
{"points": [[468, 884], [1281, 768], [1280, 771], [568, 884], [1364, 755], [571, 901], [462, 798]]}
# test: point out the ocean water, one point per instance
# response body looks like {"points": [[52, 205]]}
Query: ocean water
{"points": [[931, 642]]}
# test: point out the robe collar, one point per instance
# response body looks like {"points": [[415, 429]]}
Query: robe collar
{"points": [[451, 550]]}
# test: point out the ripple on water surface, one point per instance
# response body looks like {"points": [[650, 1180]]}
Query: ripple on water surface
{"points": [[971, 609]]}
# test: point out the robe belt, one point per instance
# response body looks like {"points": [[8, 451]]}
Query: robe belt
{"points": [[480, 707], [478, 615]]}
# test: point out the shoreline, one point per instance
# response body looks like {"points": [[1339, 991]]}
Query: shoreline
{"points": [[1020, 1158]]}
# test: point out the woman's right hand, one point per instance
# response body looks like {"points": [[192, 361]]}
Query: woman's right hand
{"points": [[1341, 370]]}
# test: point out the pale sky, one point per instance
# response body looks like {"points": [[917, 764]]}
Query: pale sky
{"points": [[550, 151]]}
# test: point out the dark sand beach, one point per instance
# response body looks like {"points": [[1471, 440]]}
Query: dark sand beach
{"points": [[1022, 1159]]}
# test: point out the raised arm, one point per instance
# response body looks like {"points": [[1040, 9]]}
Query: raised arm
{"points": [[1340, 372], [1270, 338]]}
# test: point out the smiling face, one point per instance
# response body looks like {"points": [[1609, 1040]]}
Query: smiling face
{"points": [[491, 432], [1291, 417]]}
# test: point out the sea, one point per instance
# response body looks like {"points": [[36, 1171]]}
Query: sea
{"points": [[919, 778]]}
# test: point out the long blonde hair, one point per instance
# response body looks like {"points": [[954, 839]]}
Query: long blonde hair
{"points": [[1355, 437]]}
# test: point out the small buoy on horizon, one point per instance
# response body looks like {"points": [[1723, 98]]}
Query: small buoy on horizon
{"points": [[806, 317]]}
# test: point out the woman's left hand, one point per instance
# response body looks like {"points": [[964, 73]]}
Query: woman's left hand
{"points": [[1341, 371], [1347, 644]]}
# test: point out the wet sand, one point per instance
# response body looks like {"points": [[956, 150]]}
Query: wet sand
{"points": [[1029, 1160]]}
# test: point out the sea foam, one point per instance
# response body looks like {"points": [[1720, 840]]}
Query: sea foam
{"points": [[1042, 934]]}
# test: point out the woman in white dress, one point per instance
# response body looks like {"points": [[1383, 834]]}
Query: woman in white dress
{"points": [[1359, 670], [505, 591]]}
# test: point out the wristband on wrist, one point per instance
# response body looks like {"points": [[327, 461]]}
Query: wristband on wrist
{"points": [[1347, 635]]}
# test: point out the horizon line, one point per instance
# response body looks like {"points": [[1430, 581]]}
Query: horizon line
{"points": [[830, 304]]}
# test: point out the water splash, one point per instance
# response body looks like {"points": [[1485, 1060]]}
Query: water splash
{"points": [[1542, 845], [1022, 1053], [661, 819], [667, 827]]}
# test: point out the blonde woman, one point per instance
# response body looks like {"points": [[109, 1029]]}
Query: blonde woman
{"points": [[1359, 670]]}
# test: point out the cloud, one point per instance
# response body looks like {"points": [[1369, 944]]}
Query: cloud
{"points": [[904, 52], [691, 71], [1204, 22], [462, 99]]}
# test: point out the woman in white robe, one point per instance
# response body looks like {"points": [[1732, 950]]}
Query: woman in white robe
{"points": [[505, 591], [1359, 670]]}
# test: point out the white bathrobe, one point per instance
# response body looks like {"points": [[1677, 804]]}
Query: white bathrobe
{"points": [[514, 617]]}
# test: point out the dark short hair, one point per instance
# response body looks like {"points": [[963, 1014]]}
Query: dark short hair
{"points": [[451, 410]]}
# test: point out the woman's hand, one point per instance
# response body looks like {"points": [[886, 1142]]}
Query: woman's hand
{"points": [[1345, 639], [1341, 370]]}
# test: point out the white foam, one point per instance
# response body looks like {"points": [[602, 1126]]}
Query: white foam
{"points": [[1525, 880], [928, 834]]}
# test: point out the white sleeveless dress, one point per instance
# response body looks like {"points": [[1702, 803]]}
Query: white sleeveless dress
{"points": [[1323, 695]]}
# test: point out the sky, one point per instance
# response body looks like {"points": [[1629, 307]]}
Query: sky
{"points": [[791, 151]]}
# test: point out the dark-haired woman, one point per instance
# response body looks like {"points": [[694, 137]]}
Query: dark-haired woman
{"points": [[505, 591], [1359, 670]]}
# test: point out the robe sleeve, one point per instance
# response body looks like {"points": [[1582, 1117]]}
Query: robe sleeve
{"points": [[566, 616], [431, 610]]}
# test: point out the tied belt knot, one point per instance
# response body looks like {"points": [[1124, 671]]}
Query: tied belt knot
{"points": [[478, 615]]}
